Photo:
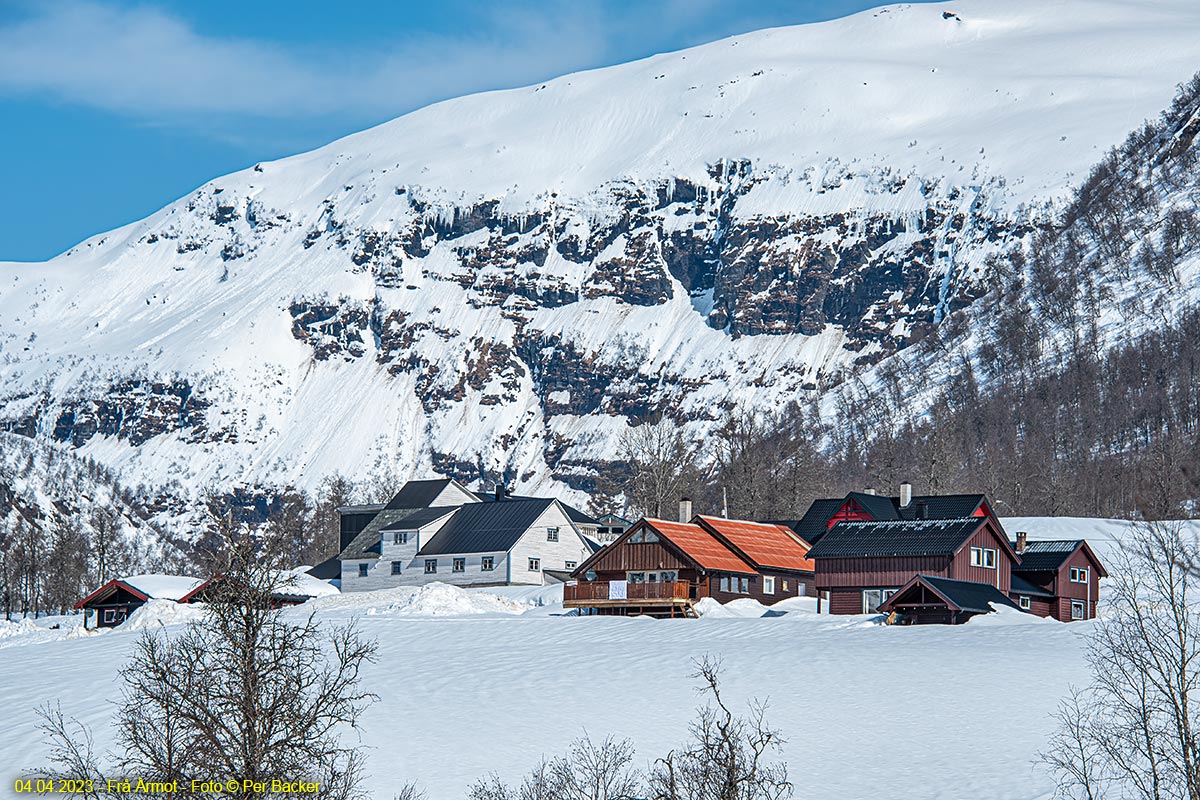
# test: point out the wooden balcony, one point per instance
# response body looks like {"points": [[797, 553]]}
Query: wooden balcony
{"points": [[664, 598]]}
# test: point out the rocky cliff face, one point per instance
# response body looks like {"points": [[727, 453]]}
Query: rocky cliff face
{"points": [[495, 286]]}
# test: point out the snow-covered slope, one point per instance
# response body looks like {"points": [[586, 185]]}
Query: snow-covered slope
{"points": [[492, 285]]}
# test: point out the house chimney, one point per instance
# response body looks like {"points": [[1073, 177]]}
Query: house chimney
{"points": [[922, 509], [905, 494], [1022, 540], [500, 492], [869, 490], [685, 509]]}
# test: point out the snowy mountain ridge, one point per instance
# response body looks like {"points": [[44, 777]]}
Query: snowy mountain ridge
{"points": [[491, 286]]}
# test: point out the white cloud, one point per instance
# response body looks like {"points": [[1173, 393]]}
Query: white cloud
{"points": [[147, 64]]}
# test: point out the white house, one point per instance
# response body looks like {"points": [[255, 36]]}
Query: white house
{"points": [[501, 540]]}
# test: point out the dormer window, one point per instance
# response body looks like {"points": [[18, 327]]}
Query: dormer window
{"points": [[983, 557], [399, 537]]}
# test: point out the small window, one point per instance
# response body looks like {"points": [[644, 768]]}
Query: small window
{"points": [[1079, 575], [637, 577], [551, 534], [570, 564], [109, 615], [1024, 602], [535, 565], [399, 538], [745, 586], [724, 583], [785, 585], [362, 570], [984, 557], [459, 565], [637, 538], [768, 585], [1076, 609], [397, 566], [487, 563], [430, 566]]}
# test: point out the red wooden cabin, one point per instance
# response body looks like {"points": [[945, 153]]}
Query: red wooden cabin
{"points": [[1057, 578], [861, 564]]}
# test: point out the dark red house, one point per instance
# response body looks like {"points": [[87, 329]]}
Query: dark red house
{"points": [[861, 564], [112, 603], [1057, 578], [662, 568]]}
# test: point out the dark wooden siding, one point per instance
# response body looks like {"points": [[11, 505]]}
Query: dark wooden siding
{"points": [[961, 569], [624, 556], [756, 592], [845, 601], [881, 572]]}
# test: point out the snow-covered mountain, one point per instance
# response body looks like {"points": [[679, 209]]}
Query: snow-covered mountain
{"points": [[493, 285]]}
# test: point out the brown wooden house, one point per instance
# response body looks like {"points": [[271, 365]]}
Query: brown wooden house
{"points": [[859, 565], [662, 568], [1057, 578]]}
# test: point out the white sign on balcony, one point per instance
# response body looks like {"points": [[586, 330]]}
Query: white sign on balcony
{"points": [[617, 590]]}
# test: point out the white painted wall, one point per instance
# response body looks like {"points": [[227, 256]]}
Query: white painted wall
{"points": [[553, 555]]}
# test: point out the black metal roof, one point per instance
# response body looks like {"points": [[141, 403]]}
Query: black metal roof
{"points": [[418, 494], [968, 595], [928, 537], [329, 569], [1022, 586], [574, 514], [811, 527], [1046, 555], [367, 543], [486, 527]]}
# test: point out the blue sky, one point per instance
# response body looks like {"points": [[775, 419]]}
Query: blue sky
{"points": [[112, 109]]}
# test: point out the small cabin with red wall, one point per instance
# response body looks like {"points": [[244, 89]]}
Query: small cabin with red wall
{"points": [[861, 564], [927, 599], [1057, 578], [112, 603]]}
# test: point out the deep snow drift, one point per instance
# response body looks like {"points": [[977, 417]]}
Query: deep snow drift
{"points": [[473, 681]]}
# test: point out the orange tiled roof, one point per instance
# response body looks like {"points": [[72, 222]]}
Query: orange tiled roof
{"points": [[701, 546], [766, 544]]}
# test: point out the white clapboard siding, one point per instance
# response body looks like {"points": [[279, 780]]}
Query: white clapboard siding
{"points": [[553, 555]]}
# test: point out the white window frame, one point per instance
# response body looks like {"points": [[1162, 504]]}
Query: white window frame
{"points": [[984, 557], [551, 534], [397, 567], [570, 564], [535, 565], [110, 615], [431, 566], [744, 585], [768, 584], [458, 565], [1078, 604], [487, 563], [1080, 574], [724, 584], [1024, 602]]}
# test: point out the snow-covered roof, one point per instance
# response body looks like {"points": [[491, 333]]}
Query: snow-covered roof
{"points": [[164, 587], [300, 583]]}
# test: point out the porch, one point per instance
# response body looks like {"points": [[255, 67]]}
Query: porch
{"points": [[662, 599]]}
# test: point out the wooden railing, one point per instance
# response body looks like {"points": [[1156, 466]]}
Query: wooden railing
{"points": [[634, 592]]}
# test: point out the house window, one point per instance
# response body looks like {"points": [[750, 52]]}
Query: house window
{"points": [[570, 564], [487, 563], [535, 565], [430, 566], [1076, 609], [724, 583], [984, 557], [396, 567], [1024, 602], [785, 585], [109, 615], [745, 586], [399, 538], [551, 534], [1079, 575], [768, 585], [459, 565], [362, 570], [872, 598]]}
